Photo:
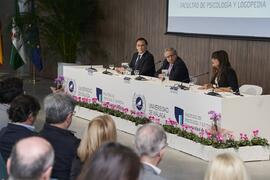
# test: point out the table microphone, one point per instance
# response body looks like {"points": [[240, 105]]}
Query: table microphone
{"points": [[199, 75], [107, 72], [181, 86], [158, 62], [92, 69]]}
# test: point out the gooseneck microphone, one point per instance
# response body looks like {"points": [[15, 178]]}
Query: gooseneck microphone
{"points": [[199, 75], [181, 86], [158, 62], [106, 71], [91, 68]]}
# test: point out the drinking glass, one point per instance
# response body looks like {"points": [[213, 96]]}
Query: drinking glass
{"points": [[165, 74], [136, 72], [111, 66]]}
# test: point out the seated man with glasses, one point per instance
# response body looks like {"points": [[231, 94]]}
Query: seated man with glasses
{"points": [[177, 69], [59, 109]]}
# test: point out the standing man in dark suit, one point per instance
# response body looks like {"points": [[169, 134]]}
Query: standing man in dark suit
{"points": [[142, 60], [59, 109], [150, 142], [177, 69]]}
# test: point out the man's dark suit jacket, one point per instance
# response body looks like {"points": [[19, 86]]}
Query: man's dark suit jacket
{"points": [[227, 78], [9, 135], [65, 146], [179, 70], [146, 64]]}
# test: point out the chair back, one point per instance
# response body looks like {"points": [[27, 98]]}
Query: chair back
{"points": [[250, 89]]}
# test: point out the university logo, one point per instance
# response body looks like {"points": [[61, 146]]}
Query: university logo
{"points": [[138, 102], [99, 94], [71, 86], [179, 115]]}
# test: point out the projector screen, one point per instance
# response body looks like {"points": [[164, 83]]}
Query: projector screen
{"points": [[245, 18]]}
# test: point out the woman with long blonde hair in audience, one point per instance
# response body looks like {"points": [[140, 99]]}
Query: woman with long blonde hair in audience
{"points": [[112, 161], [100, 130], [226, 167]]}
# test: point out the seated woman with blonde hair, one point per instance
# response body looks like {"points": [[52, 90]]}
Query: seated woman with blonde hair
{"points": [[226, 167], [99, 131]]}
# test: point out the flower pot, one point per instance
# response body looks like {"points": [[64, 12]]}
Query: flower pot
{"points": [[246, 153]]}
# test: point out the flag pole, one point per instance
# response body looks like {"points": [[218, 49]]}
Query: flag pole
{"points": [[33, 74]]}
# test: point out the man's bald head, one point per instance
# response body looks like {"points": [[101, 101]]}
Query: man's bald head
{"points": [[30, 158]]}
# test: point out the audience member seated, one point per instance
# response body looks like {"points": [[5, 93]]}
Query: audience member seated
{"points": [[150, 142], [177, 69], [22, 113], [226, 167], [100, 130], [10, 88], [32, 159], [59, 109], [112, 161]]}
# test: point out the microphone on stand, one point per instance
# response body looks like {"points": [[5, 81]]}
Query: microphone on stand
{"points": [[156, 63], [181, 86], [91, 68], [199, 75], [213, 93], [106, 71]]}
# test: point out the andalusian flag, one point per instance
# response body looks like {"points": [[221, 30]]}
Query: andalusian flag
{"points": [[1, 47], [18, 55]]}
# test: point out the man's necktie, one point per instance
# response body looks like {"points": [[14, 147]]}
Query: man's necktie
{"points": [[170, 68], [137, 61]]}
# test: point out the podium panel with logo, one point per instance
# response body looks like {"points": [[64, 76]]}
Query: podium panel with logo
{"points": [[156, 98]]}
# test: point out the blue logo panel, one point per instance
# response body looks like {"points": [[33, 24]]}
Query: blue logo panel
{"points": [[99, 94], [179, 115]]}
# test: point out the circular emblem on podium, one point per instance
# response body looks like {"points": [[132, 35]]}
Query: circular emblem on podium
{"points": [[139, 103], [71, 86]]}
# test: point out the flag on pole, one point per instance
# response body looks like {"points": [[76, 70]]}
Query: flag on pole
{"points": [[18, 55], [1, 47], [32, 35]]}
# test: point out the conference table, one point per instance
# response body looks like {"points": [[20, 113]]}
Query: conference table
{"points": [[168, 100]]}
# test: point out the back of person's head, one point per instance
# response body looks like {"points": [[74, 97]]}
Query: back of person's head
{"points": [[57, 107], [223, 58], [150, 139], [112, 161], [10, 88], [22, 107], [226, 167], [31, 159], [100, 130]]}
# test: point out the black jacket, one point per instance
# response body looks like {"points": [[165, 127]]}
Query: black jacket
{"points": [[227, 78], [65, 146], [76, 168], [179, 70], [146, 64], [9, 135]]}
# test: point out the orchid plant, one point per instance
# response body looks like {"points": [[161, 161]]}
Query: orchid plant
{"points": [[215, 117], [59, 81]]}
